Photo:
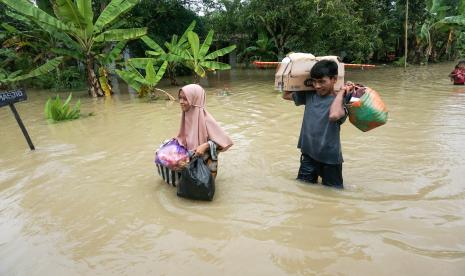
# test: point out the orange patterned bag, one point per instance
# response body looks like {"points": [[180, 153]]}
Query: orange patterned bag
{"points": [[366, 109]]}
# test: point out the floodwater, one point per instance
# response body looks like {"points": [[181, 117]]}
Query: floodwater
{"points": [[87, 201]]}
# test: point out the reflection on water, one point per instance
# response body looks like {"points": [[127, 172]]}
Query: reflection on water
{"points": [[88, 201]]}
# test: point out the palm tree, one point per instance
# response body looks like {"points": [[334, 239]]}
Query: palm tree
{"points": [[74, 24]]}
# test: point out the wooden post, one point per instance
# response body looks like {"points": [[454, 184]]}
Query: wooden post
{"points": [[10, 98], [21, 125], [406, 37]]}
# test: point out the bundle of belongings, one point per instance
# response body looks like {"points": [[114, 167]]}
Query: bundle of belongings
{"points": [[189, 174], [366, 109]]}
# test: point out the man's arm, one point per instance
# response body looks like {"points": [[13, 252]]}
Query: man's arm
{"points": [[287, 95], [337, 111]]}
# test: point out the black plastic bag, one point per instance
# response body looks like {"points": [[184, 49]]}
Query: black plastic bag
{"points": [[196, 181]]}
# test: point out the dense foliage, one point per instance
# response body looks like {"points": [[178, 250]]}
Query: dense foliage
{"points": [[356, 30], [93, 36]]}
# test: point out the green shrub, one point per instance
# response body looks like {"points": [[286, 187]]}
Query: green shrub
{"points": [[56, 111]]}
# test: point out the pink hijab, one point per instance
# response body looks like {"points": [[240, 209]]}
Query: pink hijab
{"points": [[197, 125]]}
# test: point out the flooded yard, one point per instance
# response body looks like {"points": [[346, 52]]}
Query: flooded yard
{"points": [[88, 200]]}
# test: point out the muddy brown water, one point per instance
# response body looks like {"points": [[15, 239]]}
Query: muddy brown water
{"points": [[88, 201]]}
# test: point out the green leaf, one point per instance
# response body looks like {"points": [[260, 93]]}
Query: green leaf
{"points": [[160, 72], [183, 38], [85, 10], [67, 12], [130, 78], [47, 67], [199, 71], [152, 44], [9, 28], [206, 44], [65, 52], [26, 8], [15, 74], [121, 34], [150, 72], [153, 53], [194, 43], [215, 65], [112, 12], [48, 114], [140, 63], [220, 52], [114, 53], [454, 20], [56, 111]]}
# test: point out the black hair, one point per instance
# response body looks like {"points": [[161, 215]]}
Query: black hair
{"points": [[461, 62], [324, 68]]}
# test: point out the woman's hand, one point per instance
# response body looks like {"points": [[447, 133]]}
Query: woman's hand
{"points": [[201, 149]]}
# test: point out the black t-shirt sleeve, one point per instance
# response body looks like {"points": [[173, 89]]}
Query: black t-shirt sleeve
{"points": [[299, 97]]}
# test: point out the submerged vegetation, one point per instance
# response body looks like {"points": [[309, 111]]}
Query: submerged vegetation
{"points": [[56, 111]]}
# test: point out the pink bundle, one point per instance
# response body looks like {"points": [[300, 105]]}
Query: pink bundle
{"points": [[172, 155]]}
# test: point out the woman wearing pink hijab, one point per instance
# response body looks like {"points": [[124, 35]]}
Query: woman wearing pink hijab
{"points": [[199, 132]]}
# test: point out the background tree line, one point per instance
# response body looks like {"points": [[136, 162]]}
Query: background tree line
{"points": [[368, 31]]}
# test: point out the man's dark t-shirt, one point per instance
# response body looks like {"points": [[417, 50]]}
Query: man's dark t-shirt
{"points": [[319, 137]]}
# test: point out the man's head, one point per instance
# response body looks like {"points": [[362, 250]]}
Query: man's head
{"points": [[324, 76], [461, 64]]}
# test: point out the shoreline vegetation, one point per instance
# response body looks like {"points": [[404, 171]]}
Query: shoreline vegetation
{"points": [[87, 43]]}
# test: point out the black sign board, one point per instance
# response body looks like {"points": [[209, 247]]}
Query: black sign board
{"points": [[10, 98], [13, 96]]}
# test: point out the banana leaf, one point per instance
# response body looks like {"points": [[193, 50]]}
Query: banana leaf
{"points": [[85, 10], [183, 38], [9, 28], [220, 52], [121, 34], [152, 44], [68, 13], [113, 11], [161, 72], [206, 44], [47, 67], [215, 65], [150, 72], [130, 78], [199, 71], [193, 39], [26, 8], [114, 53], [456, 21]]}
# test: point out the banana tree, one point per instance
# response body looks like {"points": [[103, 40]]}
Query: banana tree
{"points": [[144, 85], [174, 45], [197, 58], [74, 23], [456, 24], [8, 79], [263, 49]]}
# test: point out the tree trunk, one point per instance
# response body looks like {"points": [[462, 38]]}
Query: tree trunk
{"points": [[92, 81]]}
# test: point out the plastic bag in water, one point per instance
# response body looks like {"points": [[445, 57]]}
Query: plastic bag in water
{"points": [[196, 181], [173, 155]]}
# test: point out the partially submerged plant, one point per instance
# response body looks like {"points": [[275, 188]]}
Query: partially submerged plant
{"points": [[145, 85], [56, 111]]}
